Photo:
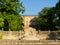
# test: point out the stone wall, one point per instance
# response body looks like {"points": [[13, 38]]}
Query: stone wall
{"points": [[27, 19], [12, 38], [29, 42], [12, 34], [40, 35]]}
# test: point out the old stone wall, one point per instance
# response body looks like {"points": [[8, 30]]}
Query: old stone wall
{"points": [[27, 19], [40, 35], [29, 42], [12, 34]]}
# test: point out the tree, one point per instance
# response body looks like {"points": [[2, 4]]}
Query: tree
{"points": [[10, 10], [14, 25], [11, 6], [43, 18], [47, 18], [1, 22], [58, 14]]}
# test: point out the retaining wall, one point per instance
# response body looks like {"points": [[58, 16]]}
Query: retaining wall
{"points": [[29, 42], [42, 34]]}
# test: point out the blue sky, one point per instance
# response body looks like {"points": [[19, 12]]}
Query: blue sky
{"points": [[32, 7]]}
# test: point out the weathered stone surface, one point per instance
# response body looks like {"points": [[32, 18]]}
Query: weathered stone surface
{"points": [[29, 42]]}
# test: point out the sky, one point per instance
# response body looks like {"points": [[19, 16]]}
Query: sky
{"points": [[33, 7]]}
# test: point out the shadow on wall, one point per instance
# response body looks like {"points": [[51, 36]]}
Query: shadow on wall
{"points": [[52, 36], [34, 23]]}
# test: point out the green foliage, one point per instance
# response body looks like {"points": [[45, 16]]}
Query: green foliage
{"points": [[11, 6], [1, 22], [44, 11], [15, 22], [48, 19], [57, 8], [9, 12]]}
